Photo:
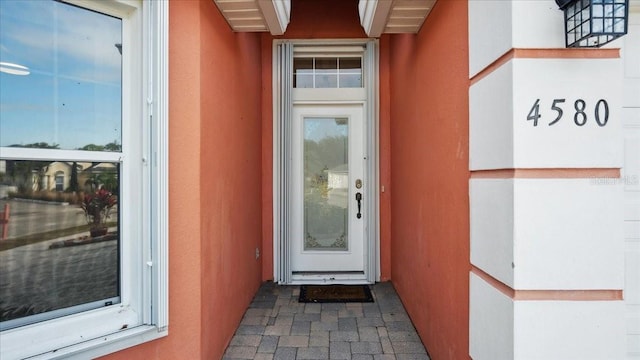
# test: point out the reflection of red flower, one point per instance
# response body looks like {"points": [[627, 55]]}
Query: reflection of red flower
{"points": [[97, 207]]}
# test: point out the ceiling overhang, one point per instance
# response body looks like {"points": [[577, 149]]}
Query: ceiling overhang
{"points": [[377, 17], [393, 16], [256, 15]]}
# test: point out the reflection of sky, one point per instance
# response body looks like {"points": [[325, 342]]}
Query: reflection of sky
{"points": [[73, 95], [317, 129]]}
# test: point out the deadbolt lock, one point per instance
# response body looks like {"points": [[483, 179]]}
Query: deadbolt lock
{"points": [[358, 184]]}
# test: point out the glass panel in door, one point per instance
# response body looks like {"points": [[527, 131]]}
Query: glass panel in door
{"points": [[326, 180]]}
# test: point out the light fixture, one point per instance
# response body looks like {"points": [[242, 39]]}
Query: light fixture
{"points": [[593, 23], [14, 69]]}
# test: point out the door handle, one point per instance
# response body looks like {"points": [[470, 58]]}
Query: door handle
{"points": [[359, 199]]}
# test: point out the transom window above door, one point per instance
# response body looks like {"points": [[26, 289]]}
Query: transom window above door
{"points": [[317, 72]]}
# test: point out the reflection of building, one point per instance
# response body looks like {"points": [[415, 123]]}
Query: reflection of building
{"points": [[338, 186], [57, 175], [339, 177], [90, 175]]}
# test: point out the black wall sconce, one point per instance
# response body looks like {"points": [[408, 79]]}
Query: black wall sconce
{"points": [[593, 23]]}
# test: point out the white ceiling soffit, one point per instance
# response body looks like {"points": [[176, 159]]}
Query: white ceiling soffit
{"points": [[393, 16], [376, 16], [256, 15]]}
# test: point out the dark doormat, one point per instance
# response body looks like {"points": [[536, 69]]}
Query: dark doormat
{"points": [[335, 293]]}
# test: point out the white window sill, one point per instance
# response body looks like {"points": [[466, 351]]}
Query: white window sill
{"points": [[106, 344]]}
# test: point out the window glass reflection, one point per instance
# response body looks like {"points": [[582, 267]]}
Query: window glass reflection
{"points": [[60, 77], [350, 72], [303, 72], [327, 72], [58, 248], [326, 179]]}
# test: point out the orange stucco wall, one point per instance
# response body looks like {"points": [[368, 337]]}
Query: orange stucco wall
{"points": [[221, 172], [313, 19], [429, 161], [215, 183]]}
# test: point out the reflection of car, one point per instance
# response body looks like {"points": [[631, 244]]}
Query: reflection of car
{"points": [[338, 186], [6, 189]]}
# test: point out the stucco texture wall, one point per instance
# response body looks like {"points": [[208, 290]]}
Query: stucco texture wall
{"points": [[429, 162], [215, 183]]}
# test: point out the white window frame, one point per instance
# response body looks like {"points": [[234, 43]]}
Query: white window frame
{"points": [[142, 314], [284, 96], [59, 180]]}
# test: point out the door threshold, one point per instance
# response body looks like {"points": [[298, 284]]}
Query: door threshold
{"points": [[357, 272], [342, 278]]}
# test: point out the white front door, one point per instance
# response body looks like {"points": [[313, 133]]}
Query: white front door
{"points": [[327, 232]]}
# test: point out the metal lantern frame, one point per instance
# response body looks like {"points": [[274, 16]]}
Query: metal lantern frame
{"points": [[594, 23]]}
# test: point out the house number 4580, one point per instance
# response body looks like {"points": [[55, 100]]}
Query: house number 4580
{"points": [[579, 112]]}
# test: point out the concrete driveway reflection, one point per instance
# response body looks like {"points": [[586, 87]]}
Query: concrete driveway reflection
{"points": [[28, 218], [46, 278]]}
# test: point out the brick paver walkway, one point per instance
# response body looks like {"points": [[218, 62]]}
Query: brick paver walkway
{"points": [[276, 326]]}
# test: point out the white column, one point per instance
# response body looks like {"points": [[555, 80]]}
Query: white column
{"points": [[547, 248]]}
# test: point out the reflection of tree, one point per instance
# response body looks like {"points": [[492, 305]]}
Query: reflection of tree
{"points": [[92, 147], [112, 146], [73, 181], [107, 179], [38, 145], [103, 179]]}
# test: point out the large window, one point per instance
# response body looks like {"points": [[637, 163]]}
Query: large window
{"points": [[83, 253], [67, 96]]}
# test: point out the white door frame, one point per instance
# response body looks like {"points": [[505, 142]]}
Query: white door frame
{"points": [[282, 112]]}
